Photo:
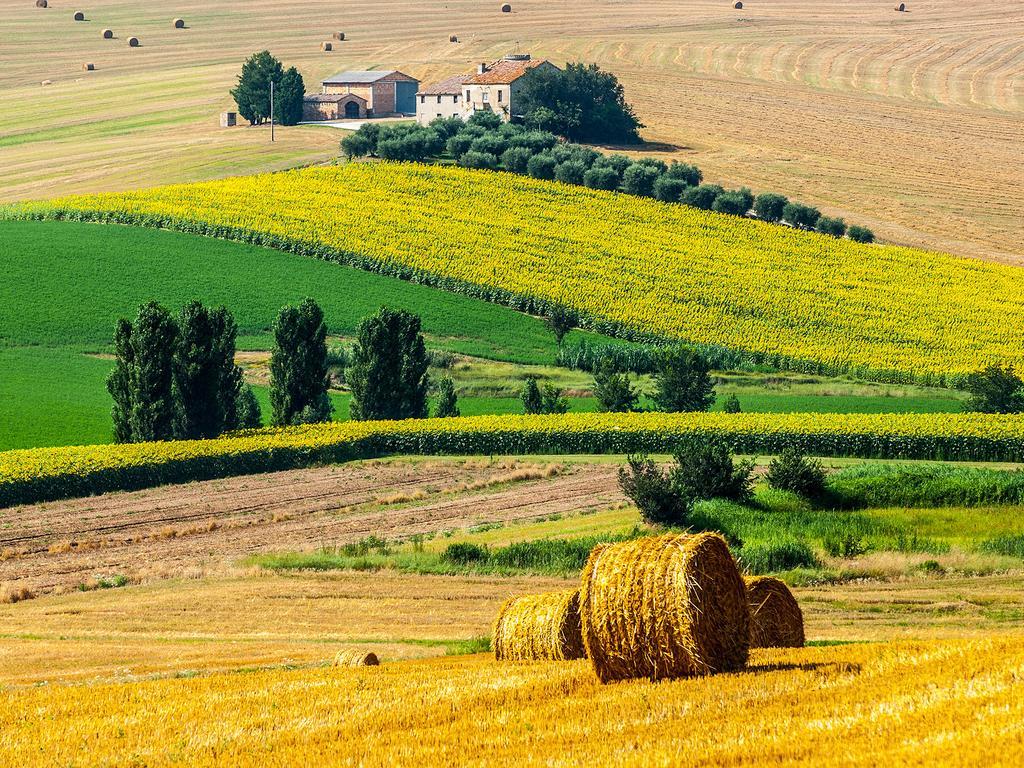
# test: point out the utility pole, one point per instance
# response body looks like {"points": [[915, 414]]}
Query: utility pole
{"points": [[271, 110]]}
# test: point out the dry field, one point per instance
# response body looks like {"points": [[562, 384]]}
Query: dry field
{"points": [[909, 123], [205, 528]]}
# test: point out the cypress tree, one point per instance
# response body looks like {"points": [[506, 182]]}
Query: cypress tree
{"points": [[533, 401], [288, 97], [206, 379], [252, 94], [298, 366], [447, 402], [119, 382], [388, 375]]}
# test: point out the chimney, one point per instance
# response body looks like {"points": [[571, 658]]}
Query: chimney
{"points": [[481, 68]]}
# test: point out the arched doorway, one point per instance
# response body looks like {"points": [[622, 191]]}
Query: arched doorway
{"points": [[351, 109]]}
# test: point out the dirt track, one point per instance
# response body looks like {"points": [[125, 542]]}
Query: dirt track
{"points": [[204, 528]]}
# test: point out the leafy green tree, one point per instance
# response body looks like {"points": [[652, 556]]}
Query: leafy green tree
{"points": [[541, 167], [571, 172], [581, 103], [474, 159], [447, 401], [684, 172], [533, 400], [702, 197], [827, 225], [668, 189], [561, 320], [248, 414], [602, 178], [489, 121], [800, 215], [552, 400], [515, 159], [363, 142], [388, 374], [705, 470], [252, 94], [660, 501], [792, 471], [736, 202], [613, 391], [206, 380], [289, 94], [732, 404], [141, 383], [639, 179], [298, 366], [683, 382], [860, 234], [769, 207], [995, 390]]}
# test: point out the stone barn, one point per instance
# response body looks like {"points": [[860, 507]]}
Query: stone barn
{"points": [[384, 93], [333, 106]]}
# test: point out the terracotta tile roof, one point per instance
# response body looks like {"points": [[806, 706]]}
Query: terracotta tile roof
{"points": [[446, 87], [504, 72]]}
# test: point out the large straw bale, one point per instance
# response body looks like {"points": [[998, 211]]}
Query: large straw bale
{"points": [[351, 658], [776, 620], [664, 607], [539, 627]]}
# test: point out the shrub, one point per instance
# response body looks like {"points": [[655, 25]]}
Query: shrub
{"points": [[248, 409], [688, 173], [445, 127], [362, 142], [533, 401], [735, 202], [447, 401], [653, 492], [459, 144], [481, 160], [702, 197], [732, 404], [778, 555], [565, 153], [639, 179], [769, 207], [794, 472], [601, 178], [570, 172], [618, 163], [490, 143], [541, 167], [560, 321], [515, 159], [669, 190], [833, 227], [683, 381], [860, 234], [705, 470], [845, 545], [535, 141], [995, 390], [489, 121], [800, 215], [613, 391], [464, 554]]}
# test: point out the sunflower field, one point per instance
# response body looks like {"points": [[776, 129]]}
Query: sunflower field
{"points": [[629, 266]]}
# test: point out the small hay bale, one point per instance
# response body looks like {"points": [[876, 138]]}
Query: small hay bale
{"points": [[133, 42], [506, 8], [453, 38], [79, 16], [42, 4], [339, 35], [179, 23], [326, 46], [539, 627], [350, 658], [664, 607], [47, 82], [89, 66], [108, 34], [738, 5], [776, 620], [902, 7]]}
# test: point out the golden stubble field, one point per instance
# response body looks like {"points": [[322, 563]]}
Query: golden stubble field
{"points": [[909, 123]]}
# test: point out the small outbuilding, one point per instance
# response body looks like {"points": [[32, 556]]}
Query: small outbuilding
{"points": [[228, 119], [386, 93], [333, 106]]}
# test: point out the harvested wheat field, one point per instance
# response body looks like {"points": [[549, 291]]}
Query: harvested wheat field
{"points": [[933, 704], [205, 528], [908, 123]]}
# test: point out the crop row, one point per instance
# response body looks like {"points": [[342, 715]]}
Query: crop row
{"points": [[51, 473], [629, 266]]}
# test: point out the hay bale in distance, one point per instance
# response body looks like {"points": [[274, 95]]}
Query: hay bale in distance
{"points": [[350, 658], [738, 5], [339, 35], [108, 34], [506, 8], [326, 46], [902, 7], [79, 16], [42, 4], [133, 42], [47, 82], [453, 39], [89, 66], [664, 607], [776, 620], [539, 627], [179, 23]]}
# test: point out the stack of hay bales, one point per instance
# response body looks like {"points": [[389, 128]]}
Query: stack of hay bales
{"points": [[664, 607], [539, 627], [351, 658], [776, 620]]}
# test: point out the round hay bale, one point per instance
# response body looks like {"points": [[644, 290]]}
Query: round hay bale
{"points": [[108, 34], [89, 66], [47, 82], [339, 35], [453, 39], [133, 42], [41, 4], [506, 8], [776, 620], [79, 16], [179, 23], [326, 46], [738, 5], [350, 658], [902, 7], [664, 607], [539, 627]]}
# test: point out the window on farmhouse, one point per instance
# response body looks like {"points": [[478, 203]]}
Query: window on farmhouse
{"points": [[487, 96], [423, 99], [455, 98], [467, 95], [500, 95], [438, 99]]}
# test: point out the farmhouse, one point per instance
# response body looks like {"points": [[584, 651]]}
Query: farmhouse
{"points": [[492, 88], [358, 94]]}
